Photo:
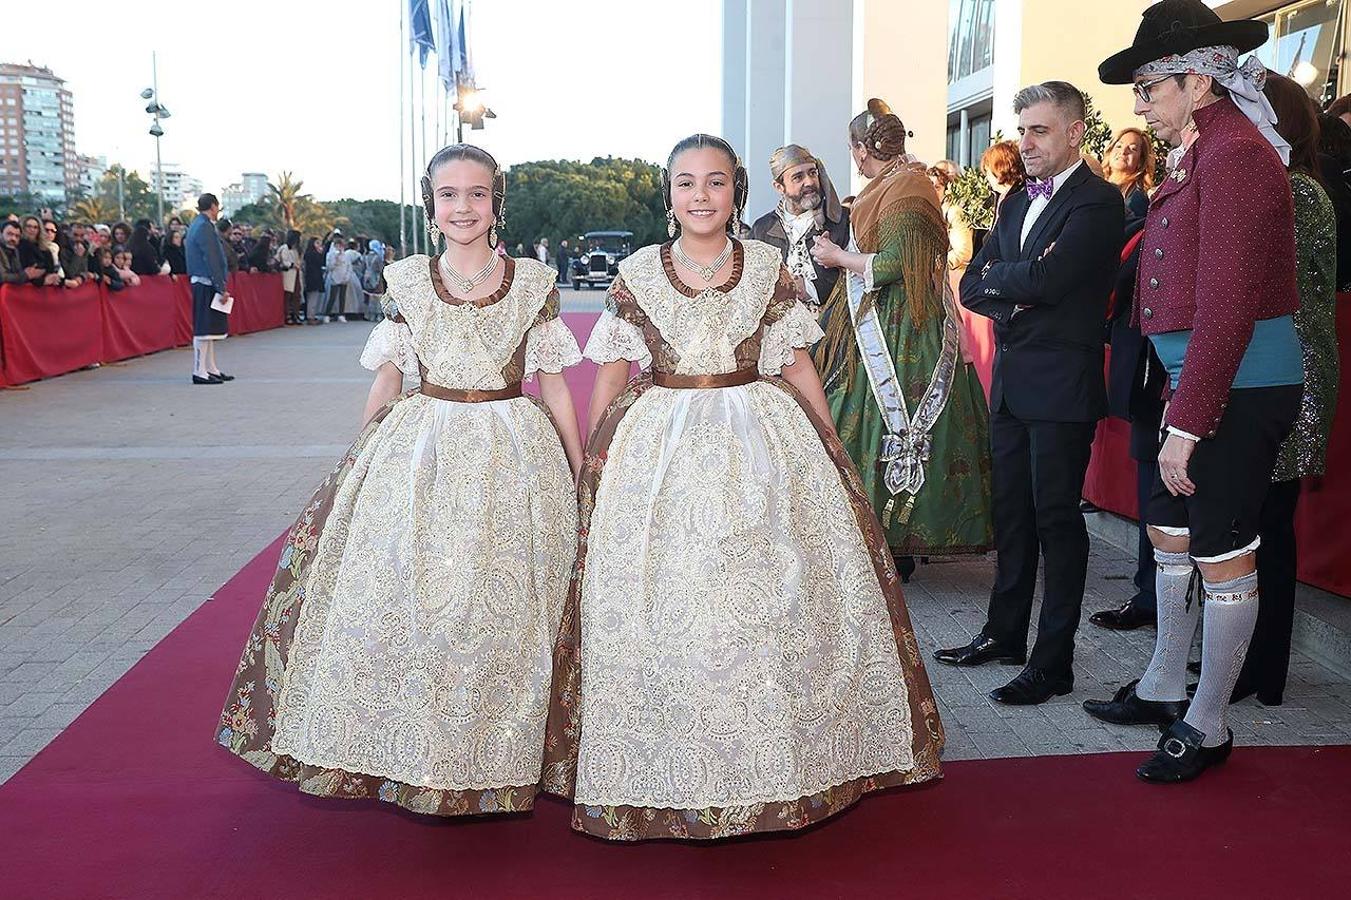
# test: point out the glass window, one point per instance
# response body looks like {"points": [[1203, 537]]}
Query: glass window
{"points": [[1303, 44], [970, 37]]}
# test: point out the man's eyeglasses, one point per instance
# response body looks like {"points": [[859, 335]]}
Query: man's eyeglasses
{"points": [[1141, 88]]}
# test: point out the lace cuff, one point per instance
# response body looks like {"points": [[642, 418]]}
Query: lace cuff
{"points": [[550, 347], [390, 341], [796, 328], [613, 339], [868, 283]]}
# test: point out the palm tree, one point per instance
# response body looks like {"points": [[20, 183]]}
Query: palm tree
{"points": [[293, 209], [93, 210]]}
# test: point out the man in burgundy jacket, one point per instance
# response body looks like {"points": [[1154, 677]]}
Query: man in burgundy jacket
{"points": [[1215, 294]]}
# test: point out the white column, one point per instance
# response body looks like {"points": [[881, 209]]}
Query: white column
{"points": [[1009, 64], [765, 67], [818, 86], [901, 56], [734, 72], [964, 140]]}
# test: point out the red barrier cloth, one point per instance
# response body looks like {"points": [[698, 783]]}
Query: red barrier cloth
{"points": [[260, 302], [49, 331], [183, 319], [141, 319]]}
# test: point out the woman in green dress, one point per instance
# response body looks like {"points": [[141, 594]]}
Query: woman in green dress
{"points": [[910, 412]]}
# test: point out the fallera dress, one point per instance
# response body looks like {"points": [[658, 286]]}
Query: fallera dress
{"points": [[735, 655], [403, 650]]}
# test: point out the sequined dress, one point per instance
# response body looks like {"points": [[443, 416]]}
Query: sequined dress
{"points": [[735, 654], [403, 650]]}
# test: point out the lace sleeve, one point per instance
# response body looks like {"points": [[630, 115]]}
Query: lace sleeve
{"points": [[794, 329], [550, 347], [390, 341], [618, 333]]}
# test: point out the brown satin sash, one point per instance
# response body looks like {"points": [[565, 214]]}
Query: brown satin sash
{"points": [[727, 379], [510, 392]]}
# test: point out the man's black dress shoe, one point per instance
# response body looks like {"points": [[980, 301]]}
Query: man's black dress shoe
{"points": [[1127, 617], [222, 376], [1088, 506], [210, 379], [1032, 686], [980, 651], [1126, 708], [1181, 757], [905, 567]]}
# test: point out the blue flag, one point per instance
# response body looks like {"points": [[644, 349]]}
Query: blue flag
{"points": [[420, 29], [448, 60]]}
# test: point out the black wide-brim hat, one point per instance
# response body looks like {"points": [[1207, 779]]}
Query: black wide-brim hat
{"points": [[1174, 27]]}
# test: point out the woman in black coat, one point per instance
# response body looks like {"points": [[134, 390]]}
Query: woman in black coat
{"points": [[145, 259]]}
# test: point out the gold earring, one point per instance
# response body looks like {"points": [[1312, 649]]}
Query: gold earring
{"points": [[670, 223]]}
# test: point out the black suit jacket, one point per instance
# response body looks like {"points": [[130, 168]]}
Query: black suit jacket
{"points": [[769, 228], [1049, 308]]}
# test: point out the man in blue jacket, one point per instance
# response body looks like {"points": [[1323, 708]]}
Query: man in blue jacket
{"points": [[208, 275]]}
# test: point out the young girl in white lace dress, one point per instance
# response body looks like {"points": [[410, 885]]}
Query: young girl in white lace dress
{"points": [[735, 655], [403, 650]]}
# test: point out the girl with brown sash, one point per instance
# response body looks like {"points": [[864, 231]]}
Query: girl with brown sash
{"points": [[404, 648], [735, 654]]}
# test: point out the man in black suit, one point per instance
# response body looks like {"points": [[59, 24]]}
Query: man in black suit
{"points": [[1135, 384], [808, 206], [1043, 275]]}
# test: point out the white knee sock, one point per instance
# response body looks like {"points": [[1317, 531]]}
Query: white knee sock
{"points": [[1231, 613], [211, 358], [199, 346], [1166, 677]]}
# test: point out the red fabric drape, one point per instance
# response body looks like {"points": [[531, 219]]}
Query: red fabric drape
{"points": [[141, 320], [49, 331]]}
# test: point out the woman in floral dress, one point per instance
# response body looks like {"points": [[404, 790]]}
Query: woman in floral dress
{"points": [[403, 650], [735, 655]]}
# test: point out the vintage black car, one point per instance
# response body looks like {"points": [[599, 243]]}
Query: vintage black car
{"points": [[598, 263]]}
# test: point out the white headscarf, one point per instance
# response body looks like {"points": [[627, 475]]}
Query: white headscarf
{"points": [[1244, 84]]}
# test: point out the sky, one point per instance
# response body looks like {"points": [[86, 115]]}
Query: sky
{"points": [[313, 87]]}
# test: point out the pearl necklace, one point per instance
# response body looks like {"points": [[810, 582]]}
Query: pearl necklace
{"points": [[705, 272], [467, 283]]}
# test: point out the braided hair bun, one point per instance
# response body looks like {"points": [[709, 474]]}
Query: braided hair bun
{"points": [[880, 131]]}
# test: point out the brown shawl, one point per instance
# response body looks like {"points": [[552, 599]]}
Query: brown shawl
{"points": [[878, 216]]}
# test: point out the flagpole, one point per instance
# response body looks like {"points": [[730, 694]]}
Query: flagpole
{"points": [[412, 138], [403, 181], [422, 89]]}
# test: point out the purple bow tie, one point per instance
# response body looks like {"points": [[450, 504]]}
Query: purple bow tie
{"points": [[1043, 188]]}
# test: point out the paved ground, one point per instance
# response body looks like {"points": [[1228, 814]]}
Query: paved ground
{"points": [[129, 495]]}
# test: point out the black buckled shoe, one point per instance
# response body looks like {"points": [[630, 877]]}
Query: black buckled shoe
{"points": [[1181, 757], [210, 379], [1032, 686], [1126, 708], [981, 650], [1127, 617], [222, 376]]}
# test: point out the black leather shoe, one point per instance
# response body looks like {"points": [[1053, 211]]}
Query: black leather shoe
{"points": [[222, 376], [1126, 617], [1126, 708], [1181, 757], [210, 379], [980, 651], [1032, 686]]}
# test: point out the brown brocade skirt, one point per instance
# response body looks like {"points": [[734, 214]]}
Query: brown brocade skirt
{"points": [[248, 722], [566, 725]]}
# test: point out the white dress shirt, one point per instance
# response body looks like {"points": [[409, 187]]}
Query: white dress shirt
{"points": [[1035, 208]]}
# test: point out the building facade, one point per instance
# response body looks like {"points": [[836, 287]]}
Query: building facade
{"points": [[251, 187], [37, 134], [798, 70], [181, 190]]}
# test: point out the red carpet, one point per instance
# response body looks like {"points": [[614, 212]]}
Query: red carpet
{"points": [[136, 800]]}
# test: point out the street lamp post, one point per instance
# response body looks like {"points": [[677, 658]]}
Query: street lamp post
{"points": [[157, 113]]}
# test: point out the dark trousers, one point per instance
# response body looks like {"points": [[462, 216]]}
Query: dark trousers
{"points": [[562, 273], [1145, 448], [1268, 659], [1037, 480], [337, 295]]}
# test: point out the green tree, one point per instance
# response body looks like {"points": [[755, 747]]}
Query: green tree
{"points": [[21, 204], [377, 218], [139, 200], [1098, 134], [561, 199], [94, 209]]}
